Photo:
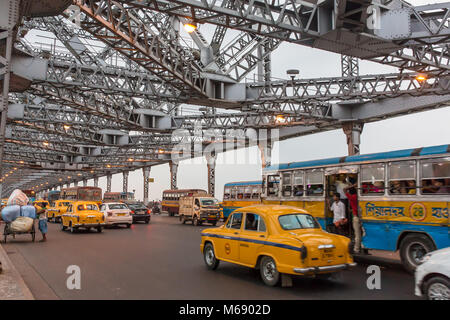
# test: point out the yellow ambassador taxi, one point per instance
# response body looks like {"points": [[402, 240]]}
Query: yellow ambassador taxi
{"points": [[82, 214], [276, 240], [57, 209], [40, 203]]}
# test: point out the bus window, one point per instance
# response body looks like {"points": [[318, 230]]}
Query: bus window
{"points": [[402, 177], [273, 185], [248, 193], [226, 193], [287, 185], [372, 179], [436, 176], [256, 193], [240, 193], [298, 183], [233, 193], [314, 182]]}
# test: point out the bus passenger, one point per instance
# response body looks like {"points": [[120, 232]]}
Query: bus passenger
{"points": [[411, 186], [352, 196], [338, 208]]}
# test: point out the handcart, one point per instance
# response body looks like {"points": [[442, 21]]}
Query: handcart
{"points": [[8, 232]]}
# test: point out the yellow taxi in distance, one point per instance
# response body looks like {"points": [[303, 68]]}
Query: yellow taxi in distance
{"points": [[276, 240], [83, 214], [39, 203], [57, 209]]}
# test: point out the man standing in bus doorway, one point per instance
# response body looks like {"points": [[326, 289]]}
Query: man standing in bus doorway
{"points": [[352, 197], [339, 218], [340, 185]]}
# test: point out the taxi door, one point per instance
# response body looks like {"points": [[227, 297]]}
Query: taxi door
{"points": [[252, 238], [228, 243]]}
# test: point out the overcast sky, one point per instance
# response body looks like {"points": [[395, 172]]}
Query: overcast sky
{"points": [[417, 130]]}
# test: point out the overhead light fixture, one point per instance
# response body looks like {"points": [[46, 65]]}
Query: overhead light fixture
{"points": [[280, 119], [190, 27], [421, 77], [66, 127], [45, 143]]}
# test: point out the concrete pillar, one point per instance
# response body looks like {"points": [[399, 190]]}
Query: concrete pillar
{"points": [[96, 182], [353, 132], [125, 181], [146, 173], [173, 175], [211, 163], [108, 182]]}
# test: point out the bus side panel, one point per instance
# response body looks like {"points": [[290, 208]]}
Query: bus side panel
{"points": [[230, 205], [384, 222]]}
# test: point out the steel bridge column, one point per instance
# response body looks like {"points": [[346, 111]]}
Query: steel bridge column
{"points": [[6, 37], [108, 182], [265, 149], [125, 181], [211, 163], [350, 69], [146, 173], [353, 132], [75, 183], [84, 182], [173, 175], [96, 182]]}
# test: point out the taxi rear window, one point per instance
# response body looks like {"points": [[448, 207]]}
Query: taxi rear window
{"points": [[297, 221]]}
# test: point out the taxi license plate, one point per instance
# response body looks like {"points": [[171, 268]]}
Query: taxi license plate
{"points": [[327, 254], [121, 214]]}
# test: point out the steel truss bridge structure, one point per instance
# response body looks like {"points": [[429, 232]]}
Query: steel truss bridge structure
{"points": [[106, 93]]}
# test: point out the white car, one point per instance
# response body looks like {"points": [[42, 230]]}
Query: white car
{"points": [[433, 275], [116, 213]]}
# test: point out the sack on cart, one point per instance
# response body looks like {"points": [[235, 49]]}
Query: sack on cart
{"points": [[22, 224], [28, 211], [10, 213], [17, 197]]}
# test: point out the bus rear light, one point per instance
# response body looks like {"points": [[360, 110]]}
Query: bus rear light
{"points": [[149, 212]]}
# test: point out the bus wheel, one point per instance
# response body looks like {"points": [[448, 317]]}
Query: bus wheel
{"points": [[413, 248], [182, 219], [195, 221]]}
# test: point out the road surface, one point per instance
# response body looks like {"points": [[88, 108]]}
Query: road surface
{"points": [[162, 260]]}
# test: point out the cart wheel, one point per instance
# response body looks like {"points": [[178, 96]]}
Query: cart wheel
{"points": [[33, 232]]}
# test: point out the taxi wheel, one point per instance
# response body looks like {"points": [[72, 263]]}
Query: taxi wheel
{"points": [[72, 229], [210, 257], [99, 229], [182, 219], [147, 221], [63, 227], [128, 225], [269, 272]]}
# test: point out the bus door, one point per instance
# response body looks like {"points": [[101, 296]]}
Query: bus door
{"points": [[334, 177]]}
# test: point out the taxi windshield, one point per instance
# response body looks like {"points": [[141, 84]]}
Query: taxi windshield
{"points": [[82, 207], [297, 221], [209, 202]]}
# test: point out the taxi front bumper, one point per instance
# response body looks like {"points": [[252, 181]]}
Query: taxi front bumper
{"points": [[336, 267]]}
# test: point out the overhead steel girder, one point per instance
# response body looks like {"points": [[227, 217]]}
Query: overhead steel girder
{"points": [[124, 31], [94, 103], [369, 87], [299, 22]]}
